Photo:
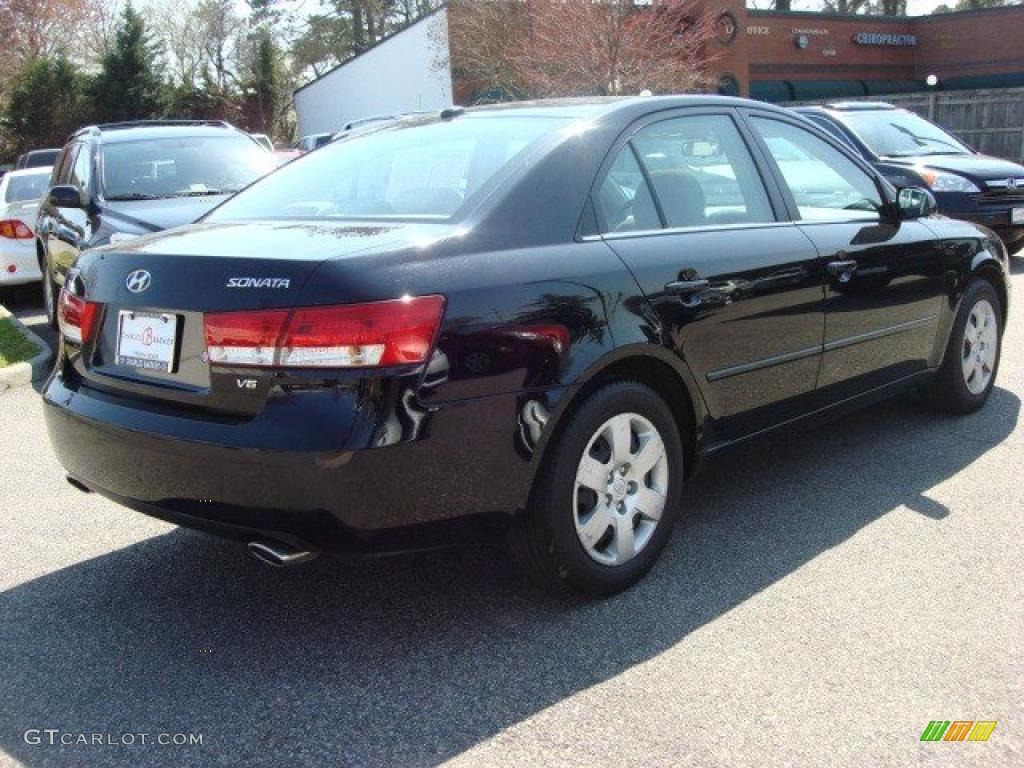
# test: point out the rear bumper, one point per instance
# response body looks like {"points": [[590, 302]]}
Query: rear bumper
{"points": [[347, 486], [21, 258]]}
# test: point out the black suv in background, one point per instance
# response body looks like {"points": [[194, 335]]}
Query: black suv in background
{"points": [[912, 152], [120, 180]]}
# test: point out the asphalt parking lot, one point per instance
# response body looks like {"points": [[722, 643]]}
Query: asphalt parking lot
{"points": [[824, 598]]}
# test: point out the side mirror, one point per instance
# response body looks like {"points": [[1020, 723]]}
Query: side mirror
{"points": [[916, 202], [65, 196]]}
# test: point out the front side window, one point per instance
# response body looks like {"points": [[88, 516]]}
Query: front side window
{"points": [[188, 166], [81, 171], [702, 172], [898, 133], [62, 171], [426, 170], [826, 185]]}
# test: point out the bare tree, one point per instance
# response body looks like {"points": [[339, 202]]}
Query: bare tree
{"points": [[184, 50], [480, 42], [32, 29], [581, 47], [221, 33]]}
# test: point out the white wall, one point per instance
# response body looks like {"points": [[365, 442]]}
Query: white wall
{"points": [[398, 75]]}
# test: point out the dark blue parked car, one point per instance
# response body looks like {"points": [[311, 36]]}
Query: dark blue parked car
{"points": [[909, 151]]}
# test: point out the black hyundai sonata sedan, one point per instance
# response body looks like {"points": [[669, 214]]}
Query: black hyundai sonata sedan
{"points": [[535, 320]]}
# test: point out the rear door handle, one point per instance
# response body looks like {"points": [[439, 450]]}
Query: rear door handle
{"points": [[686, 287]]}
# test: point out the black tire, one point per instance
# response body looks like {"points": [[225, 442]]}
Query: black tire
{"points": [[49, 305], [544, 540], [948, 391]]}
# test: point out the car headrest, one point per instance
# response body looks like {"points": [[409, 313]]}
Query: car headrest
{"points": [[681, 196]]}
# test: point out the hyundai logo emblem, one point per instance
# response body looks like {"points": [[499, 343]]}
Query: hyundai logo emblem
{"points": [[137, 281], [1011, 183]]}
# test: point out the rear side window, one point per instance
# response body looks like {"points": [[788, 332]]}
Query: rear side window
{"points": [[624, 199], [702, 172], [826, 185]]}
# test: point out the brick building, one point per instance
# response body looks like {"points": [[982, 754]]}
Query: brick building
{"points": [[791, 55], [768, 55]]}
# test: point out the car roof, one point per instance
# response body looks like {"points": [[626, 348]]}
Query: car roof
{"points": [[147, 130], [848, 106], [625, 107]]}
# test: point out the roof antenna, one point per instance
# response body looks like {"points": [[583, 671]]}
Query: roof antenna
{"points": [[450, 112]]}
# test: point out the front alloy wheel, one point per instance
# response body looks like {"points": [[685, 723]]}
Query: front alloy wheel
{"points": [[981, 347], [968, 373]]}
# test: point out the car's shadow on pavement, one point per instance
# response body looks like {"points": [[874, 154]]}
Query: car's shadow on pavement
{"points": [[412, 660]]}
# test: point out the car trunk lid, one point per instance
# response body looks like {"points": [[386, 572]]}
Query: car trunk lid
{"points": [[154, 292]]}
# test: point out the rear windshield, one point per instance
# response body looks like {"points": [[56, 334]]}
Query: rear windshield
{"points": [[422, 171], [182, 167], [41, 158], [898, 133], [23, 188]]}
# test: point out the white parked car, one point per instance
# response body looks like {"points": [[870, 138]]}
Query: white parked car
{"points": [[20, 195]]}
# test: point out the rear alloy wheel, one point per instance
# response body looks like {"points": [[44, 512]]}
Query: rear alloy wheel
{"points": [[620, 489], [965, 380], [606, 495]]}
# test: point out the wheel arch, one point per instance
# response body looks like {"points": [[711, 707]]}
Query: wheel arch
{"points": [[648, 364], [991, 269]]}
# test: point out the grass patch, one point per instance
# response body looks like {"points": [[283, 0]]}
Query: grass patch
{"points": [[14, 348]]}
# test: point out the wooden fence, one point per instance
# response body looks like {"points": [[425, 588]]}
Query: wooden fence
{"points": [[991, 121]]}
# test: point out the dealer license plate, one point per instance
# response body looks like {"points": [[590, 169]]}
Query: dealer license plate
{"points": [[146, 340]]}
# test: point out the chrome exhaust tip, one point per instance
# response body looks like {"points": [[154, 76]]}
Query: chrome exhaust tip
{"points": [[279, 555]]}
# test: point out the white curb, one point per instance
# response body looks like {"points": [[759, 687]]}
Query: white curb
{"points": [[20, 374]]}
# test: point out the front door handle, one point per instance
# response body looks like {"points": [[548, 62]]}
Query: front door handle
{"points": [[843, 269], [686, 287]]}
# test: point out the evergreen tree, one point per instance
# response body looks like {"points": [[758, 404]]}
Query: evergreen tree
{"points": [[127, 87], [265, 85], [45, 105]]}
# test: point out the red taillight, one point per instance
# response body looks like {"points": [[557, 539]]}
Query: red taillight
{"points": [[76, 316], [380, 333], [15, 229]]}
